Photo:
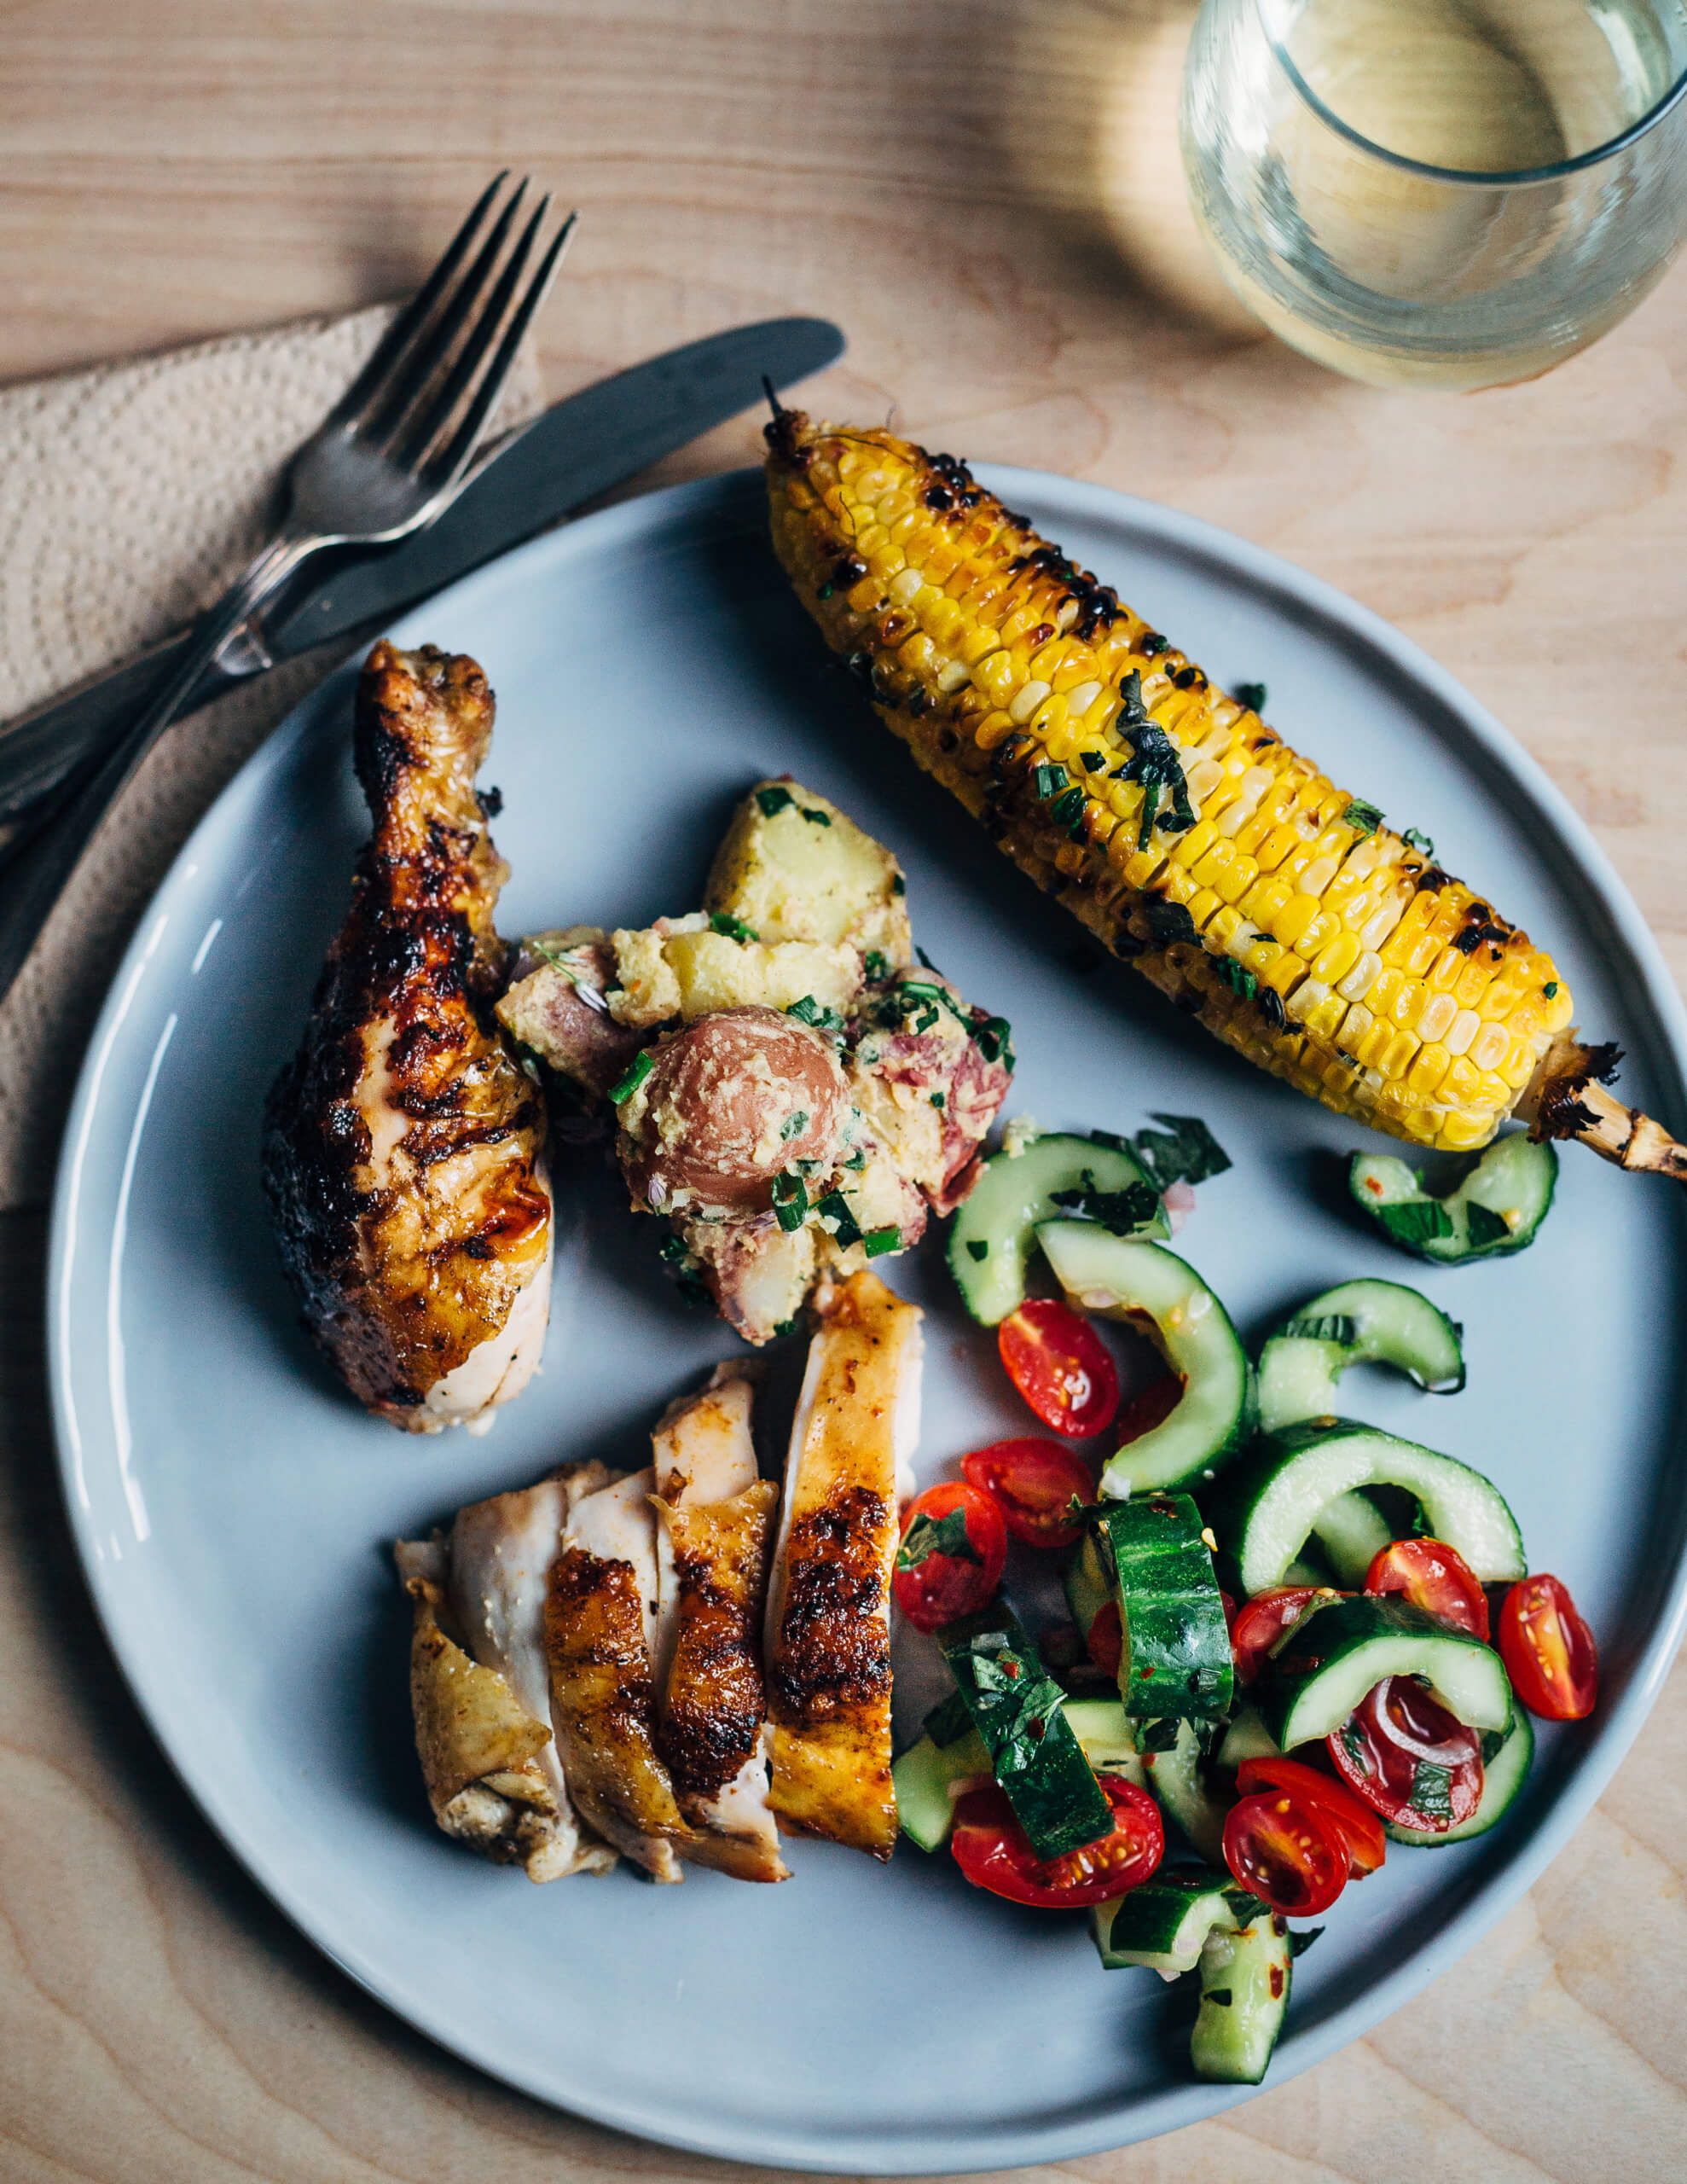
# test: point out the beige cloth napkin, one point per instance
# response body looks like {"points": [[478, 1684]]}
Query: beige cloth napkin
{"points": [[130, 496]]}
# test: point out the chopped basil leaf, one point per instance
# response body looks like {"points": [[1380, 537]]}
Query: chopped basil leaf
{"points": [[1157, 1736], [1334, 1326], [1110, 1139], [1185, 1151], [1154, 762], [994, 1038], [899, 886], [1492, 1740], [815, 818], [1300, 1941], [1093, 760], [978, 1249], [1365, 817], [1123, 1212], [1422, 843], [1419, 1220], [1048, 780], [724, 921], [794, 1125], [772, 800], [808, 1010], [877, 1242], [944, 1535], [1251, 695], [1432, 1791], [1066, 810], [1168, 921], [1244, 1908], [1485, 1226], [1354, 1744], [875, 965], [835, 1207], [790, 1201], [641, 1066]]}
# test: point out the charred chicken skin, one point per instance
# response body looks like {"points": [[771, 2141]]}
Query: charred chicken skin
{"points": [[403, 1145]]}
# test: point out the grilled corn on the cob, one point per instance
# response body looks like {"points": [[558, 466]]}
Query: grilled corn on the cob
{"points": [[1185, 834]]}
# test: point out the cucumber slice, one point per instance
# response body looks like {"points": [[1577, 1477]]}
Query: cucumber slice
{"points": [[1245, 1978], [922, 1778], [1019, 1710], [1247, 1737], [1164, 1923], [1337, 1653], [1175, 1660], [1298, 1473], [1494, 1211], [1087, 1584], [1352, 1532], [1355, 1323], [990, 1242], [1505, 1772], [1102, 1728], [1175, 1777], [1143, 1283]]}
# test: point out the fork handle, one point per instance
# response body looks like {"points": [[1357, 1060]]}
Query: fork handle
{"points": [[42, 873]]}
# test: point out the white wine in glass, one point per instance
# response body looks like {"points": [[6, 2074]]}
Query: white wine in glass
{"points": [[1438, 193]]}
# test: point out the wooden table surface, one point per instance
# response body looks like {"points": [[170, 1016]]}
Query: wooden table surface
{"points": [[986, 197]]}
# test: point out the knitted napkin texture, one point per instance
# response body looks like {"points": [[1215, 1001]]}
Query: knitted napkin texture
{"points": [[131, 496]]}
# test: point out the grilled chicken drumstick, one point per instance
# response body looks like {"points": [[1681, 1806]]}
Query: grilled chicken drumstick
{"points": [[1270, 904], [404, 1146]]}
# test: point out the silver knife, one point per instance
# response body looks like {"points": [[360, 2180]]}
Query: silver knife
{"points": [[576, 450]]}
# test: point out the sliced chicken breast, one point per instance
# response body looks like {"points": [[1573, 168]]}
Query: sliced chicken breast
{"points": [[828, 1625]]}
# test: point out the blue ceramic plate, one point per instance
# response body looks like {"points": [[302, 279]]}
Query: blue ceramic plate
{"points": [[235, 1510]]}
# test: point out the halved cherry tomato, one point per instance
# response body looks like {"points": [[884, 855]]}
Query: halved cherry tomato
{"points": [[1106, 1641], [1152, 1408], [1060, 1365], [1288, 1851], [1034, 1482], [1548, 1650], [1408, 1758], [1357, 1826], [1434, 1577], [1229, 1607], [949, 1563], [1262, 1621], [991, 1849]]}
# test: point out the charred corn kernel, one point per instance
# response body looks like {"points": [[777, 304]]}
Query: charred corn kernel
{"points": [[1378, 983]]}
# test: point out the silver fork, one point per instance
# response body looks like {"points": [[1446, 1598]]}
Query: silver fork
{"points": [[388, 458]]}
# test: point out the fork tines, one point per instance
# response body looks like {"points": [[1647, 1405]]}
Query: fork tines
{"points": [[424, 394]]}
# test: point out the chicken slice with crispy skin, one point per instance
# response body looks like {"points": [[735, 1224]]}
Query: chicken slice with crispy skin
{"points": [[478, 1679], [828, 1644], [403, 1153], [715, 1515], [601, 1611]]}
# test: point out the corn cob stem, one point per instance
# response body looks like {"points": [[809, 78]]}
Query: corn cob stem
{"points": [[1567, 1098]]}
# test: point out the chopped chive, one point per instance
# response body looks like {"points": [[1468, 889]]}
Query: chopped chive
{"points": [[1251, 695], [937, 1099], [856, 1161], [875, 965], [789, 1326], [774, 799], [723, 922], [995, 1040], [794, 1125], [1551, 990], [790, 1201], [1048, 780], [1067, 810], [835, 1207], [1414, 840], [815, 818], [641, 1066], [899, 886], [808, 1011], [878, 1241]]}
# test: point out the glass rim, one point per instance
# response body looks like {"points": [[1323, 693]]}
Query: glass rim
{"points": [[1475, 177]]}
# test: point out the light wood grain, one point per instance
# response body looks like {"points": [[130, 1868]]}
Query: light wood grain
{"points": [[986, 197]]}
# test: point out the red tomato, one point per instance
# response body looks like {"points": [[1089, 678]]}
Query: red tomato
{"points": [[1033, 1483], [1434, 1577], [1152, 1408], [1229, 1607], [1357, 1825], [1287, 1852], [1106, 1641], [1262, 1621], [952, 1564], [1548, 1650], [991, 1849], [1409, 1758], [1059, 1364]]}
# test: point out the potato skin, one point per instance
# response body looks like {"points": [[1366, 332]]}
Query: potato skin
{"points": [[718, 1116]]}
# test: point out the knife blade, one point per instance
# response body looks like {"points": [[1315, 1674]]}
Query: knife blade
{"points": [[570, 453]]}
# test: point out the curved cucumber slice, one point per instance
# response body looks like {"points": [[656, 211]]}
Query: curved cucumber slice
{"points": [[1355, 1323], [1337, 1653], [1102, 1728], [1123, 1280], [1244, 1997], [1505, 1770], [1247, 1737], [1300, 1472], [1164, 1923], [922, 1779], [1494, 1211], [1174, 1658], [990, 1242], [1352, 1532], [1175, 1777]]}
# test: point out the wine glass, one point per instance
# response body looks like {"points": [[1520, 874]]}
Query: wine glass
{"points": [[1438, 193]]}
